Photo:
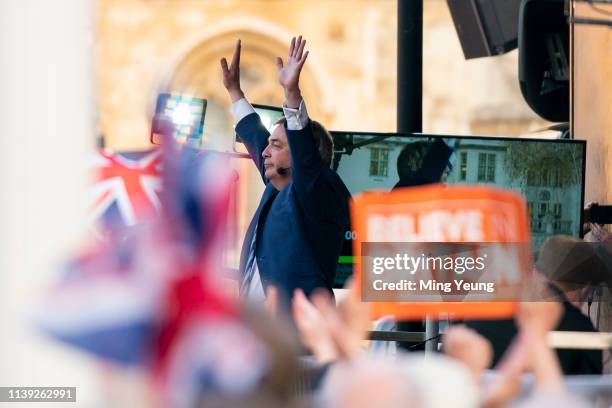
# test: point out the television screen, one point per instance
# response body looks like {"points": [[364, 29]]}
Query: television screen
{"points": [[268, 114], [548, 173], [186, 114]]}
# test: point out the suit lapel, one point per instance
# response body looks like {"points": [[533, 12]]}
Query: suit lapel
{"points": [[269, 193]]}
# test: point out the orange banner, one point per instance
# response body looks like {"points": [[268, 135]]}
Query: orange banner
{"points": [[441, 214]]}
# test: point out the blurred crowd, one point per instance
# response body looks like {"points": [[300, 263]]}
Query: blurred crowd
{"points": [[203, 346]]}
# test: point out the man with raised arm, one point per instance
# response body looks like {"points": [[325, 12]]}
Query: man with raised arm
{"points": [[296, 234]]}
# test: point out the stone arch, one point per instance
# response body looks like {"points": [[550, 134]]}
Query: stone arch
{"points": [[196, 72]]}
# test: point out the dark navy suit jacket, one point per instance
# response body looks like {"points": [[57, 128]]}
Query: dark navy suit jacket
{"points": [[300, 229]]}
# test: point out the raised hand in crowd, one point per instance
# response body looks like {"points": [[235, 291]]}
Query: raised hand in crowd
{"points": [[476, 353], [313, 329], [355, 318], [470, 348], [529, 352], [538, 318], [331, 332], [535, 320]]}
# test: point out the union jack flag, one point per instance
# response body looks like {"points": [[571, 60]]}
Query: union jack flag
{"points": [[126, 188], [150, 297]]}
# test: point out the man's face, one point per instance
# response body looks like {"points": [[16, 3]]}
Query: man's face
{"points": [[277, 154]]}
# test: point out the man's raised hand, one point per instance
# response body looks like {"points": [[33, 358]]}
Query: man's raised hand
{"points": [[231, 74], [289, 73]]}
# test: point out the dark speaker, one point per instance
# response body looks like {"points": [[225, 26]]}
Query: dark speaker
{"points": [[544, 58], [485, 27]]}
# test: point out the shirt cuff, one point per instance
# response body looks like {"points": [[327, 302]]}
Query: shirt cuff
{"points": [[297, 119], [241, 109]]}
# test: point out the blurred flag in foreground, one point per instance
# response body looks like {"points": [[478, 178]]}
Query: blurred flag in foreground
{"points": [[126, 188], [151, 297]]}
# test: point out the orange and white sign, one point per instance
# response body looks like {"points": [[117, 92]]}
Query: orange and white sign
{"points": [[435, 214]]}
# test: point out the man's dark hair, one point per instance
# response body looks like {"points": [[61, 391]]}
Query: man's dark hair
{"points": [[323, 140], [411, 158]]}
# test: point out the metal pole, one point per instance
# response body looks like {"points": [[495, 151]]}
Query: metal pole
{"points": [[409, 66], [410, 85], [432, 329]]}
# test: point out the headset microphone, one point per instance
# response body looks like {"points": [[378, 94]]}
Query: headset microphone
{"points": [[283, 171]]}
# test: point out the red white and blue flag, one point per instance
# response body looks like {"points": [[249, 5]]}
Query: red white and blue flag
{"points": [[150, 296], [126, 188]]}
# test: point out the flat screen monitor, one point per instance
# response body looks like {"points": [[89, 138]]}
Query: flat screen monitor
{"points": [[187, 116], [548, 173], [268, 114]]}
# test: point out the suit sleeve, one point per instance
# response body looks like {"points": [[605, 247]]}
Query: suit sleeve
{"points": [[255, 138], [316, 194]]}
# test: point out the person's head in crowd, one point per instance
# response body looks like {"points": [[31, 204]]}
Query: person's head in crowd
{"points": [[400, 381], [368, 382], [411, 158], [421, 163], [570, 264]]}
